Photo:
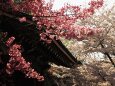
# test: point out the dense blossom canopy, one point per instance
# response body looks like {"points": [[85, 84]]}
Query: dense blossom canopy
{"points": [[59, 22]]}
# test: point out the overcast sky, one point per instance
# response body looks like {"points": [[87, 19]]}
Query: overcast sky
{"points": [[84, 3]]}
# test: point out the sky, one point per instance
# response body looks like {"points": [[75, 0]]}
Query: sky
{"points": [[84, 3]]}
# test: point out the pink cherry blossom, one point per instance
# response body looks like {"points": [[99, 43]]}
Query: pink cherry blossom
{"points": [[22, 19], [17, 62]]}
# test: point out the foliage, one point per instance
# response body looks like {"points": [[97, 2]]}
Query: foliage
{"points": [[97, 73]]}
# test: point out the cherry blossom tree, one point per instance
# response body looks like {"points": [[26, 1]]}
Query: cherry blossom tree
{"points": [[51, 24]]}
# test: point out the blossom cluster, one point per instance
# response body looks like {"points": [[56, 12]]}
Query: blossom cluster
{"points": [[81, 32], [17, 62]]}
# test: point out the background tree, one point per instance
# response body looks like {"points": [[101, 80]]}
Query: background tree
{"points": [[103, 42]]}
